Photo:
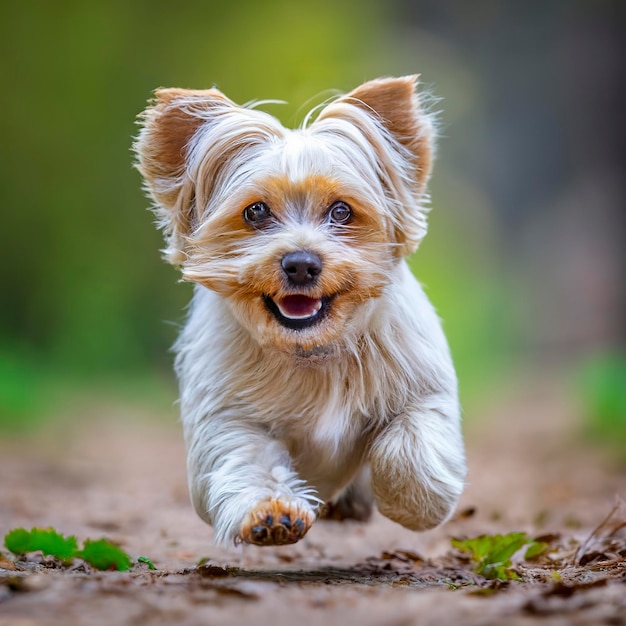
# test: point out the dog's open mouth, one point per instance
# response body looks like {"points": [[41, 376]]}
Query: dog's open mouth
{"points": [[297, 311]]}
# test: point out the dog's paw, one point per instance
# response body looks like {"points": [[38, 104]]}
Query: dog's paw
{"points": [[276, 522], [348, 509]]}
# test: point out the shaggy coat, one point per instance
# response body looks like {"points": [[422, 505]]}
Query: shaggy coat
{"points": [[311, 359]]}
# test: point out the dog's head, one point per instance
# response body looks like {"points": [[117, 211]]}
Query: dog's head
{"points": [[296, 228]]}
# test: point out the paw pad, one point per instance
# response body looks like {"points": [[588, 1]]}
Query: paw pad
{"points": [[276, 522]]}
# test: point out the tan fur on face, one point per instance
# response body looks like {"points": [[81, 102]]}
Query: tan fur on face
{"points": [[244, 264]]}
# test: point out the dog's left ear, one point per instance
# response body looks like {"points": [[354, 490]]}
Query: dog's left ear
{"points": [[394, 104]]}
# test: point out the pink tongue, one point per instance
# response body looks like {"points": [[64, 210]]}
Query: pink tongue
{"points": [[298, 306]]}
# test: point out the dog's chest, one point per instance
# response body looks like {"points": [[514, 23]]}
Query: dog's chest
{"points": [[325, 432]]}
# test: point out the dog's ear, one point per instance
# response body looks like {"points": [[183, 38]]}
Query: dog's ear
{"points": [[168, 126], [393, 103]]}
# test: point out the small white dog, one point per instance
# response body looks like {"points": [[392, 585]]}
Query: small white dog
{"points": [[312, 367]]}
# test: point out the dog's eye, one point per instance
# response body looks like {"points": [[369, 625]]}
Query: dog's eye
{"points": [[256, 214], [339, 213]]}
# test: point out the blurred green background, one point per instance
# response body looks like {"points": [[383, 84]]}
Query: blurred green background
{"points": [[525, 256]]}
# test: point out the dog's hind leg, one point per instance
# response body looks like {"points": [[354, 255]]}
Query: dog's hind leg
{"points": [[355, 502]]}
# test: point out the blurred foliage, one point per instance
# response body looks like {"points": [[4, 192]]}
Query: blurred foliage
{"points": [[85, 296], [602, 391], [458, 266], [35, 388]]}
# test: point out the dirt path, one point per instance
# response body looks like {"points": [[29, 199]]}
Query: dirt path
{"points": [[122, 476]]}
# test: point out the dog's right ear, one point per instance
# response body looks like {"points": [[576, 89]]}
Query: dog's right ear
{"points": [[168, 126]]}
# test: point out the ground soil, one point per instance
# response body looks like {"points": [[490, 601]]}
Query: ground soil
{"points": [[121, 475]]}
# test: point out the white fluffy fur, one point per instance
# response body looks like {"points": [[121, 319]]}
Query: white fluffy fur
{"points": [[266, 419]]}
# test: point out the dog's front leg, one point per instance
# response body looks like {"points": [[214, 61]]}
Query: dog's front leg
{"points": [[241, 481], [418, 465]]}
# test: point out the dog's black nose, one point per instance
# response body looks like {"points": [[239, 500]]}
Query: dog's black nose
{"points": [[301, 267]]}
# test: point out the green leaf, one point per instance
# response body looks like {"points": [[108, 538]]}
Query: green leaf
{"points": [[492, 553], [103, 555], [473, 546], [535, 549], [147, 561], [499, 571], [505, 546], [17, 540], [20, 541]]}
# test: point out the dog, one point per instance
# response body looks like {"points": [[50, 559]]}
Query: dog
{"points": [[313, 370]]}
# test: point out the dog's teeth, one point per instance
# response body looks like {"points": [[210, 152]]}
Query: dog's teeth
{"points": [[298, 307]]}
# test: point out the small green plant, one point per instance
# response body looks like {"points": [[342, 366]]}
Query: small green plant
{"points": [[103, 555], [100, 553], [492, 553], [147, 561], [51, 543]]}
